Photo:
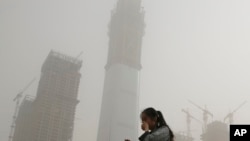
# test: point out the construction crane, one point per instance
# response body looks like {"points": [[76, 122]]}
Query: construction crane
{"points": [[206, 113], [188, 120], [75, 60], [17, 100], [231, 114], [78, 56]]}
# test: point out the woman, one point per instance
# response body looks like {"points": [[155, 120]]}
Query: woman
{"points": [[155, 126]]}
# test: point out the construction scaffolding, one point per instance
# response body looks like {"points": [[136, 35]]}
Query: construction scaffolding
{"points": [[52, 112]]}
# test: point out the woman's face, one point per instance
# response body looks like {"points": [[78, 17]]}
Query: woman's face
{"points": [[150, 121]]}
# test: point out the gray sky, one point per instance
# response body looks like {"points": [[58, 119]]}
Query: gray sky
{"points": [[193, 49]]}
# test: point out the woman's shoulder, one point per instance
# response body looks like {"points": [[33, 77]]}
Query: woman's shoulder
{"points": [[161, 130], [159, 134]]}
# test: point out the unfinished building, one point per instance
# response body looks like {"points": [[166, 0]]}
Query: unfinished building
{"points": [[52, 112]]}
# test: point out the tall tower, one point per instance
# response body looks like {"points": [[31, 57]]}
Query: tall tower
{"points": [[54, 107], [120, 109]]}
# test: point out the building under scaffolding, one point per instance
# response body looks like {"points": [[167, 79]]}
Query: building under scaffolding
{"points": [[120, 101], [216, 131], [23, 128], [52, 113]]}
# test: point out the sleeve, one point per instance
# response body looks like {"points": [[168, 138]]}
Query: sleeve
{"points": [[159, 135], [145, 136], [149, 137], [162, 134]]}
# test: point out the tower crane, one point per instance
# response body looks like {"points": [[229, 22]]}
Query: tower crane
{"points": [[79, 55], [206, 113], [17, 100], [231, 114], [188, 120]]}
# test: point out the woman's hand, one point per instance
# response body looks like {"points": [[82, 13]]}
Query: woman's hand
{"points": [[144, 126]]}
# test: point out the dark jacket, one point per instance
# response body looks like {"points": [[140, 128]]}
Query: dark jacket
{"points": [[159, 134]]}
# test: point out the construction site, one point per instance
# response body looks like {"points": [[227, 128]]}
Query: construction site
{"points": [[212, 129], [49, 115]]}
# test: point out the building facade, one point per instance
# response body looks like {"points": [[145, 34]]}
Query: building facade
{"points": [[120, 108], [56, 100], [216, 131], [23, 124], [50, 116]]}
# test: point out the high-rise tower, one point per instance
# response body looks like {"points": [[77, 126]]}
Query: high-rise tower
{"points": [[120, 109], [54, 107]]}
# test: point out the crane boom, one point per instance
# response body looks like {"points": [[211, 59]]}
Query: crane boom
{"points": [[239, 106], [204, 110], [191, 116], [19, 95], [231, 114], [79, 55], [28, 85]]}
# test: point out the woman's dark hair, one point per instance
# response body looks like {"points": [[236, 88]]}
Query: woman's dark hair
{"points": [[152, 113]]}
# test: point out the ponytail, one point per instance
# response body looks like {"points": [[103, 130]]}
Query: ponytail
{"points": [[161, 122]]}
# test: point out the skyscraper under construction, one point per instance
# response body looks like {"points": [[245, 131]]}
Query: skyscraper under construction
{"points": [[120, 109], [23, 125], [52, 111]]}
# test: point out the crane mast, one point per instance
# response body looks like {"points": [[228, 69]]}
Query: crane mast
{"points": [[17, 100], [188, 121], [231, 114], [206, 113]]}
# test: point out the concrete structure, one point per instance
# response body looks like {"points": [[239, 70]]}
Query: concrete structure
{"points": [[23, 125], [54, 106], [119, 116], [50, 117], [216, 131]]}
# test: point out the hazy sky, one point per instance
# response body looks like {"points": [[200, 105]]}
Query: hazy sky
{"points": [[192, 49]]}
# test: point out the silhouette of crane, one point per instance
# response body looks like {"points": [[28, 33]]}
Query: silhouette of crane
{"points": [[205, 111], [79, 55], [231, 114], [17, 100], [188, 120]]}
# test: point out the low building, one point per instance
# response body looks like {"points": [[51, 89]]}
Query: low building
{"points": [[216, 131], [23, 124]]}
